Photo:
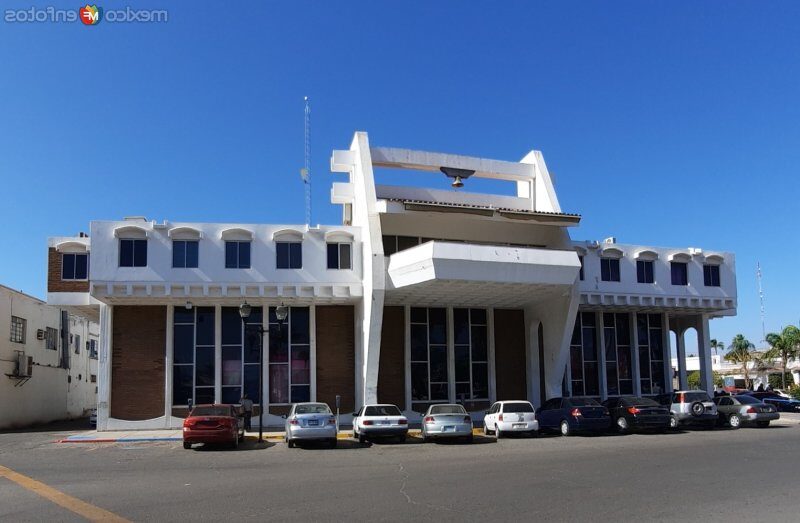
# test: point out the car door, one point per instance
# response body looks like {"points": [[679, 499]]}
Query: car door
{"points": [[546, 413], [491, 418], [357, 419]]}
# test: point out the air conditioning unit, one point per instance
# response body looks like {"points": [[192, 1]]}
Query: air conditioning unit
{"points": [[24, 365], [39, 334]]}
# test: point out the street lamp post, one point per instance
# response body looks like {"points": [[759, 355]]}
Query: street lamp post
{"points": [[281, 312]]}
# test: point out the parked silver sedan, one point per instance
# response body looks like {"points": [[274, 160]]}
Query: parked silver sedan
{"points": [[738, 410], [310, 422], [446, 421]]}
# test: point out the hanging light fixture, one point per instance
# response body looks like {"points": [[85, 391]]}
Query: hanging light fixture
{"points": [[458, 175]]}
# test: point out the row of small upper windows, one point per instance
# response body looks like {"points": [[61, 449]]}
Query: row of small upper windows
{"points": [[679, 272], [185, 254]]}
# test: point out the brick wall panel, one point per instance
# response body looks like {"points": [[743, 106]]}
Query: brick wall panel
{"points": [[336, 355], [510, 361], [137, 362], [54, 281]]}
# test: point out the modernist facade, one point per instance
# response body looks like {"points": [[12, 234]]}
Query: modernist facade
{"points": [[419, 296], [48, 359]]}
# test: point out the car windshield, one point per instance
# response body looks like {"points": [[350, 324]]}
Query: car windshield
{"points": [[448, 409], [312, 408], [641, 402], [583, 402], [691, 397], [382, 410], [748, 400], [521, 406], [211, 410]]}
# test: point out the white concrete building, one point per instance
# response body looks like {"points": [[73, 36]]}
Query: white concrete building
{"points": [[421, 295], [48, 359]]}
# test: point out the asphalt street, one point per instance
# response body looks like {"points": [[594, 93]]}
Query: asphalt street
{"points": [[717, 475]]}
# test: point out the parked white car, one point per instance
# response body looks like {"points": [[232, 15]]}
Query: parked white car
{"points": [[379, 421], [510, 416]]}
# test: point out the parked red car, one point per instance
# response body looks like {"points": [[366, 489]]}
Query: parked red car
{"points": [[213, 424]]}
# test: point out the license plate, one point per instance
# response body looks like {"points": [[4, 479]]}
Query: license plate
{"points": [[383, 422], [449, 428], [518, 425], [313, 423]]}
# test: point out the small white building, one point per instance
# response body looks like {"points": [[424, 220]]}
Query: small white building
{"points": [[48, 361], [420, 295]]}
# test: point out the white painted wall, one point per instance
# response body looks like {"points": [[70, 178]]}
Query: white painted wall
{"points": [[52, 393]]}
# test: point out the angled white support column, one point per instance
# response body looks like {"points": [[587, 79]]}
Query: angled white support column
{"points": [[704, 353], [532, 363], [104, 364]]}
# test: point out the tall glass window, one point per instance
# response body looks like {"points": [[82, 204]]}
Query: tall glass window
{"points": [[609, 269], [290, 357], [74, 266], [428, 355], [679, 273], [651, 353], [241, 344], [184, 254], [471, 354], [617, 337], [193, 356], [644, 271], [583, 356]]}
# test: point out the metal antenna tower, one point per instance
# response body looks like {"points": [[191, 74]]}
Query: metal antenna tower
{"points": [[761, 299], [305, 172]]}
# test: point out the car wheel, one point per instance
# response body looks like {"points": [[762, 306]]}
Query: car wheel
{"points": [[734, 421], [762, 424], [187, 445], [470, 438], [235, 444], [332, 443], [697, 408], [497, 432], [564, 428], [622, 425], [362, 439], [673, 422], [486, 431], [401, 438], [290, 443]]}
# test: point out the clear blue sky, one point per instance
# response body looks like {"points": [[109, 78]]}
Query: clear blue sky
{"points": [[666, 123]]}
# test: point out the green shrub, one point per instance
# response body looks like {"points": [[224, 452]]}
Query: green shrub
{"points": [[775, 380], [795, 392]]}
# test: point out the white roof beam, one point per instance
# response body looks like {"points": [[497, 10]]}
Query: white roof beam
{"points": [[428, 161]]}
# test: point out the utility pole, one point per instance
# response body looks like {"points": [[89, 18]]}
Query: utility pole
{"points": [[305, 172]]}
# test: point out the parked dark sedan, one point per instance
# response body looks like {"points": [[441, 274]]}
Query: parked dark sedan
{"points": [[630, 413], [773, 398], [570, 415]]}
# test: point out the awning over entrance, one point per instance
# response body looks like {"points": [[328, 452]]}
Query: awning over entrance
{"points": [[440, 272]]}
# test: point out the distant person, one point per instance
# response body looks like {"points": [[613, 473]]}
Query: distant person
{"points": [[760, 387], [769, 388], [247, 407]]}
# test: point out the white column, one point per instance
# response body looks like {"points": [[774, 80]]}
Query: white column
{"points": [[490, 355], [704, 353], [451, 357], [218, 353], [168, 360], [312, 327], [104, 364], [635, 371], [680, 350], [601, 355]]}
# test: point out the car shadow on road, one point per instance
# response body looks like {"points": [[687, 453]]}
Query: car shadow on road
{"points": [[243, 446], [342, 444]]}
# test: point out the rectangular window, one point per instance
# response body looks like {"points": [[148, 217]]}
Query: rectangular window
{"points": [[583, 356], [428, 356], [93, 349], [241, 354], [711, 275], [289, 255], [581, 272], [185, 254], [51, 338], [617, 336], [74, 266], [470, 354], [77, 344], [290, 357], [132, 253], [644, 271], [18, 327], [237, 254], [193, 371], [339, 256], [679, 273], [609, 269], [651, 353]]}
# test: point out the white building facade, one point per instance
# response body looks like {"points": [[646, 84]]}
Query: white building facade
{"points": [[48, 359], [419, 296]]}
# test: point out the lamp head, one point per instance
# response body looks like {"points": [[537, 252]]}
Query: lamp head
{"points": [[281, 312], [244, 310], [458, 175]]}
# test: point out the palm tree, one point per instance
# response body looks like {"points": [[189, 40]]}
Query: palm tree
{"points": [[784, 346], [717, 345], [741, 352]]}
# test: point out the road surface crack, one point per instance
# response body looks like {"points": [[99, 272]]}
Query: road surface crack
{"points": [[406, 476]]}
